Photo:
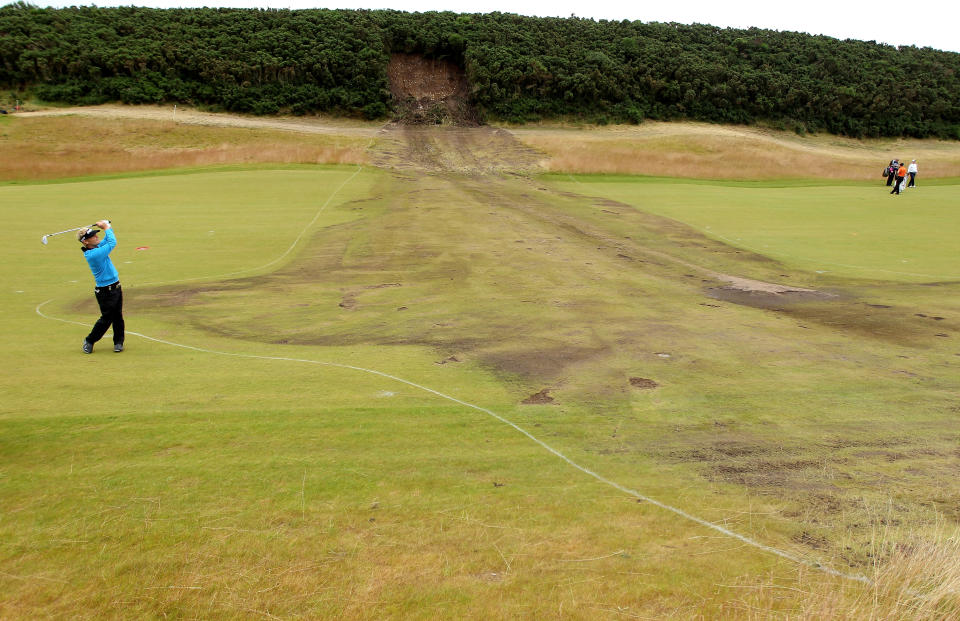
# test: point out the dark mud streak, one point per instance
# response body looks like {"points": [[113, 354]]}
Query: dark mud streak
{"points": [[842, 312], [837, 309]]}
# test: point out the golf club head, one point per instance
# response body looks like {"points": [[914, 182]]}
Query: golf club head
{"points": [[43, 240]]}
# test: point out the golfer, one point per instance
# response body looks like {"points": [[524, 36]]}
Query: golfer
{"points": [[898, 183], [108, 292], [912, 171]]}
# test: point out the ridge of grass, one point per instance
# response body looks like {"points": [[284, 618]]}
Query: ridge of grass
{"points": [[58, 146], [167, 172]]}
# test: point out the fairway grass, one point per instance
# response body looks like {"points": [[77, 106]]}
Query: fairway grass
{"points": [[858, 231], [320, 412]]}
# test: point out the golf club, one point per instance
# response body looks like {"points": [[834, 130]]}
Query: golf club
{"points": [[43, 240]]}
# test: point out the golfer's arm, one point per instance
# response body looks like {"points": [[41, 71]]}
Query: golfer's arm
{"points": [[104, 248]]}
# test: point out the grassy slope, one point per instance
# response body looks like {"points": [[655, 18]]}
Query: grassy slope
{"points": [[704, 151], [213, 485], [102, 140]]}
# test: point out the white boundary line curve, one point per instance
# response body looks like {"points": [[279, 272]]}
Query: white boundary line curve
{"points": [[688, 516]]}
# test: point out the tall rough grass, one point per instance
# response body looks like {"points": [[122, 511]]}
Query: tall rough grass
{"points": [[72, 162], [708, 152], [50, 148], [919, 582]]}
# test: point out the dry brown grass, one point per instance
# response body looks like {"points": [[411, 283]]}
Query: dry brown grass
{"points": [[102, 139], [52, 147], [699, 150], [911, 583]]}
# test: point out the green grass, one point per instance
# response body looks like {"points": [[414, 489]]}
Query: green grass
{"points": [[255, 474], [851, 230]]}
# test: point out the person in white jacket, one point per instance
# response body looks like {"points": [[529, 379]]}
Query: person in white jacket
{"points": [[912, 171]]}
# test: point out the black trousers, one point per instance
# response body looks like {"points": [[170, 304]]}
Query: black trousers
{"points": [[896, 185], [110, 299], [912, 177]]}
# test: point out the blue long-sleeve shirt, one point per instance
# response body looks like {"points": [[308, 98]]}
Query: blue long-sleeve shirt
{"points": [[104, 273]]}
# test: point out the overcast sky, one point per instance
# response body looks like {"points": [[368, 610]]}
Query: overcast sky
{"points": [[933, 23]]}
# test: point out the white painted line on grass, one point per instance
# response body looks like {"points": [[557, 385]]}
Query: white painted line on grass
{"points": [[729, 533]]}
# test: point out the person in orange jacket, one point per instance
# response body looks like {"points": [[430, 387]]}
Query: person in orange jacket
{"points": [[901, 173]]}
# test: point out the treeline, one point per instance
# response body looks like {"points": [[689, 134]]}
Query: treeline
{"points": [[520, 68]]}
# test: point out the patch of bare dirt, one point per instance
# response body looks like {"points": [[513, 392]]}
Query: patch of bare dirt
{"points": [[747, 284], [350, 296], [541, 398], [847, 442], [839, 311], [742, 460], [430, 91], [643, 383], [765, 295], [437, 130], [817, 542], [547, 362]]}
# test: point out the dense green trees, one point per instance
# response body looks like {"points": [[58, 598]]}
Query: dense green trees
{"points": [[520, 68]]}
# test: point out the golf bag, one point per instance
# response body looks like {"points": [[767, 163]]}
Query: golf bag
{"points": [[891, 172]]}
